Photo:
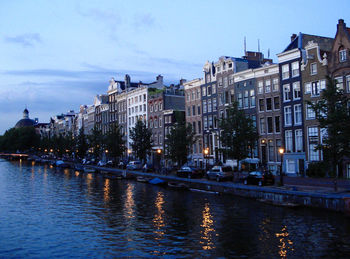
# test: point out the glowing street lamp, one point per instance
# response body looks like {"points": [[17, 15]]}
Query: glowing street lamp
{"points": [[206, 153], [281, 151], [159, 151]]}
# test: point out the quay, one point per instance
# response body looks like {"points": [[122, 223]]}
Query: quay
{"points": [[280, 196]]}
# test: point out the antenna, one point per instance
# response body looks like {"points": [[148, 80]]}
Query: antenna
{"points": [[268, 53], [245, 47]]}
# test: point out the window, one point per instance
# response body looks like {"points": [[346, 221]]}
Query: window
{"points": [[275, 84], [246, 99], [252, 98], [144, 107], [315, 88], [262, 126], [193, 110], [188, 111], [313, 142], [310, 113], [232, 95], [254, 120], [290, 165], [205, 122], [230, 80], [287, 116], [160, 106], [194, 127], [297, 114], [192, 95], [296, 91], [285, 71], [269, 125], [298, 140], [261, 105], [295, 69], [214, 105], [199, 110], [210, 122], [271, 151], [213, 89], [209, 90], [204, 106], [313, 69], [286, 93], [342, 55], [144, 97], [225, 82], [268, 104], [260, 87], [240, 100], [155, 123], [278, 145], [307, 88], [268, 86], [220, 82], [339, 82], [289, 141], [204, 91], [277, 124], [197, 95], [215, 119], [208, 78], [276, 103], [348, 84], [199, 127], [160, 122]]}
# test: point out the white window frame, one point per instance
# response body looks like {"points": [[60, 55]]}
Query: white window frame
{"points": [[298, 140], [313, 69], [289, 140], [342, 55], [296, 91], [295, 69], [285, 71], [267, 85], [297, 114], [288, 114], [286, 93]]}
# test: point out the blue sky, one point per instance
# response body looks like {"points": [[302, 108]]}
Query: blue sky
{"points": [[56, 55]]}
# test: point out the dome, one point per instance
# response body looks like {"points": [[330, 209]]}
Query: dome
{"points": [[25, 123]]}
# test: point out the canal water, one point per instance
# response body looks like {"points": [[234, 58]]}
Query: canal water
{"points": [[62, 213]]}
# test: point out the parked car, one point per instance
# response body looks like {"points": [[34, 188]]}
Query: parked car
{"points": [[260, 178], [219, 173], [189, 172], [101, 163], [134, 165]]}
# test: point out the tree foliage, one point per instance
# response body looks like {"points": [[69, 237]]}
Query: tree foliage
{"points": [[81, 144], [179, 142], [239, 135], [19, 139], [332, 113], [141, 138], [114, 141], [96, 141]]}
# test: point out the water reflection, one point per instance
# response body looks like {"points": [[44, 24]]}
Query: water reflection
{"points": [[129, 202], [208, 229], [106, 190], [158, 220], [285, 244]]}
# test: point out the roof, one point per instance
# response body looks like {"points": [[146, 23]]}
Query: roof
{"points": [[25, 123], [302, 39]]}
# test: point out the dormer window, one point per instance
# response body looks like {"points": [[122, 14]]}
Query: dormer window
{"points": [[342, 55]]}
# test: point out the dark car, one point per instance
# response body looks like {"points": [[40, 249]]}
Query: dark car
{"points": [[189, 172], [219, 173], [259, 178]]}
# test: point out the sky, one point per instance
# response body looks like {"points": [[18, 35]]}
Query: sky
{"points": [[56, 55]]}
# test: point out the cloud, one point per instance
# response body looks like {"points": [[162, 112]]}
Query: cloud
{"points": [[26, 40], [141, 21]]}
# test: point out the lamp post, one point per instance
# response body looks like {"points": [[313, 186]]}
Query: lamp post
{"points": [[206, 153], [281, 151]]}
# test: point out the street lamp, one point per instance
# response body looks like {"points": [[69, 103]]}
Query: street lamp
{"points": [[206, 154], [281, 151]]}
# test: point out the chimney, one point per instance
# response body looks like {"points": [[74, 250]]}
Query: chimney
{"points": [[293, 37], [341, 23], [160, 79], [127, 81]]}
